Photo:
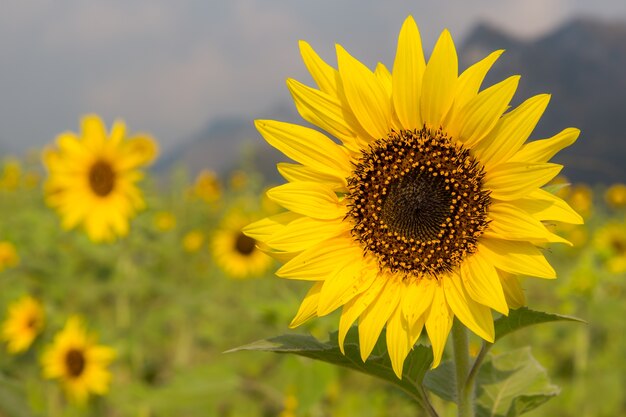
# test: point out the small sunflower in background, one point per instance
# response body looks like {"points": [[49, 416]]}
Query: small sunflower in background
{"points": [[164, 221], [193, 240], [92, 177], [236, 253], [8, 255], [207, 187], [25, 320], [581, 199], [75, 358], [428, 198], [615, 196], [610, 244]]}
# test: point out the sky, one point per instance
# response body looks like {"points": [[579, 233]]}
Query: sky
{"points": [[171, 67]]}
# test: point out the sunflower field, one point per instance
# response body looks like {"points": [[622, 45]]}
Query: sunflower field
{"points": [[130, 292]]}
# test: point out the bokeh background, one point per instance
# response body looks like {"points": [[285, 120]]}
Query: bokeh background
{"points": [[195, 74]]}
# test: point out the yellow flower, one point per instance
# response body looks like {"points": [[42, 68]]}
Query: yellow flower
{"points": [[610, 243], [24, 322], [581, 199], [238, 180], [78, 361], [164, 221], [92, 177], [11, 175], [207, 187], [615, 196], [8, 256], [236, 253], [193, 240], [433, 194]]}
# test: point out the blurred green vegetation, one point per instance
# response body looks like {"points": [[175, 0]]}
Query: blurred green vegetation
{"points": [[170, 312]]}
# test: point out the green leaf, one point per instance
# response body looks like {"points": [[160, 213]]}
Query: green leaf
{"points": [[511, 384], [555, 188], [523, 317], [377, 365], [442, 381]]}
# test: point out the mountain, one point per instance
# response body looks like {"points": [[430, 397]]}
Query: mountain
{"points": [[581, 64]]}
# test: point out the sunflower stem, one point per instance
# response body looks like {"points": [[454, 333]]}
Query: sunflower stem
{"points": [[464, 391]]}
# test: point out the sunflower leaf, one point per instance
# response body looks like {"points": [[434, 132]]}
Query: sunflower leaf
{"points": [[511, 384], [378, 364], [523, 317]]}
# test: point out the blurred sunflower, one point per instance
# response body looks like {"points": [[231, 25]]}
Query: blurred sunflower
{"points": [[80, 363], [92, 177], [615, 196], [236, 253], [431, 195], [610, 243], [193, 240], [8, 255], [207, 187], [24, 322], [581, 199], [164, 221]]}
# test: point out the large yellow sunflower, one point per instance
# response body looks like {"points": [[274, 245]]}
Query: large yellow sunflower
{"points": [[237, 254], [24, 322], [92, 177], [425, 207], [78, 361]]}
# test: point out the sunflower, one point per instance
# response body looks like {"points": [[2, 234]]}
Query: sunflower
{"points": [[610, 244], [24, 322], [92, 177], [193, 240], [425, 202], [615, 196], [237, 254], [78, 361], [8, 255], [207, 187]]}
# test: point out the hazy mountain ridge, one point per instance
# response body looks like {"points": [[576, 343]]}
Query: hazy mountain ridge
{"points": [[581, 64]]}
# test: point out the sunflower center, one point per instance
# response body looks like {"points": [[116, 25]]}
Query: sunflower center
{"points": [[417, 202], [244, 244], [619, 245], [75, 362], [102, 178]]}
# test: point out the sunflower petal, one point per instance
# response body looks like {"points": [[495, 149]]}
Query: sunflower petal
{"points": [[261, 230], [308, 198], [297, 172], [473, 315], [439, 82], [373, 319], [398, 343], [521, 258], [352, 280], [365, 95], [323, 74], [438, 324], [408, 69], [308, 308], [481, 282], [513, 291], [307, 146], [546, 206], [543, 149], [304, 232], [514, 180], [417, 298], [472, 78]]}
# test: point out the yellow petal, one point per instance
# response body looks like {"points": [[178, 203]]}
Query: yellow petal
{"points": [[322, 261], [511, 131], [308, 198], [408, 69], [546, 206], [339, 289], [297, 172], [308, 308], [514, 180], [321, 109], [305, 232], [478, 117], [365, 95], [373, 319], [543, 149], [508, 221], [521, 258], [355, 307], [481, 282], [323, 74], [438, 324], [439, 82], [398, 344], [261, 230], [512, 290], [417, 298], [472, 78], [307, 146]]}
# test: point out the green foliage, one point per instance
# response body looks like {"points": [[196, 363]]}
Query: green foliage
{"points": [[523, 317]]}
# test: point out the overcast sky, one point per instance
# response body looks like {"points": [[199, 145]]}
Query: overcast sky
{"points": [[170, 67]]}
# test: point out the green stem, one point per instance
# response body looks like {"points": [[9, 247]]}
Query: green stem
{"points": [[471, 378], [464, 391]]}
